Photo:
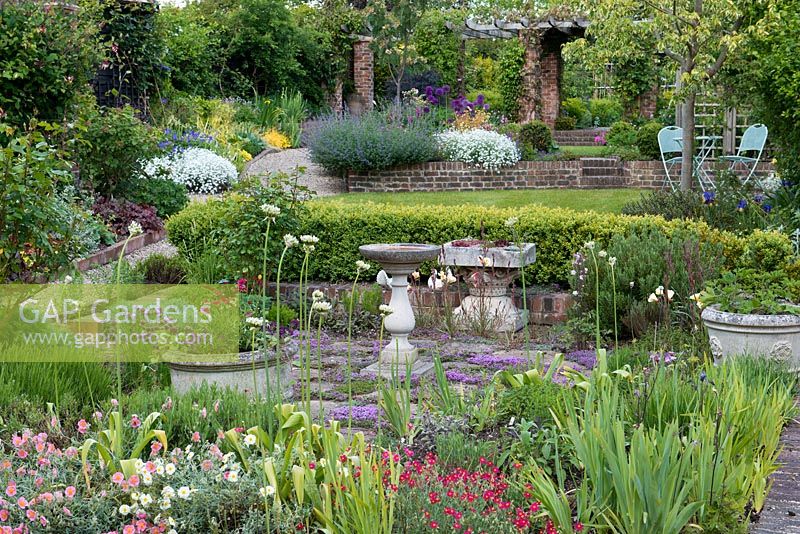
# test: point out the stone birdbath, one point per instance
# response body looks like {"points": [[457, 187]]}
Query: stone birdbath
{"points": [[399, 260], [492, 267]]}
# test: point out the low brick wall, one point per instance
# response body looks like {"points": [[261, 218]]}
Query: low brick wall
{"points": [[584, 173], [112, 253], [544, 308]]}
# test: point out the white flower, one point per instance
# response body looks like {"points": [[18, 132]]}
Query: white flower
{"points": [[589, 245], [233, 476], [632, 284], [574, 293], [289, 241], [652, 298], [485, 261], [267, 491], [362, 266], [511, 222], [124, 509], [145, 500], [317, 295], [165, 504], [199, 169], [249, 440], [184, 493], [488, 149], [697, 298], [254, 321], [602, 253], [168, 492], [612, 261], [385, 310], [415, 275], [659, 290], [309, 239], [573, 272], [450, 278], [670, 294], [160, 469], [270, 210], [68, 279], [321, 307], [134, 228], [170, 468], [147, 478]]}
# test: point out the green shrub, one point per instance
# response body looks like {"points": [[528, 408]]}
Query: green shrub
{"points": [[621, 134], [235, 225], [114, 144], [647, 140], [535, 136], [564, 122], [160, 269], [166, 196], [251, 143], [605, 111], [370, 142], [47, 57], [342, 228], [575, 108], [531, 402], [766, 251]]}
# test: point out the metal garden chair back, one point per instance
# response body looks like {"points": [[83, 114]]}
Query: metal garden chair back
{"points": [[669, 143], [753, 140]]}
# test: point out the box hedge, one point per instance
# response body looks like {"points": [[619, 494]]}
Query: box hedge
{"points": [[342, 228]]}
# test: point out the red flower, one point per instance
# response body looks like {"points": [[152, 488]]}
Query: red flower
{"points": [[434, 525], [578, 527]]}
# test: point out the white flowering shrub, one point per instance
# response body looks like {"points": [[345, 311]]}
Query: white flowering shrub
{"points": [[199, 169], [488, 149]]}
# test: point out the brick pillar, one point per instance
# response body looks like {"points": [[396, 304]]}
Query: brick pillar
{"points": [[363, 76], [551, 84], [531, 95], [647, 103]]}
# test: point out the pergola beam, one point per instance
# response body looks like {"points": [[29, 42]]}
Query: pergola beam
{"points": [[503, 29]]}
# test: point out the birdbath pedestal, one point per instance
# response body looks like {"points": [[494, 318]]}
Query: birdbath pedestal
{"points": [[492, 269], [399, 260]]}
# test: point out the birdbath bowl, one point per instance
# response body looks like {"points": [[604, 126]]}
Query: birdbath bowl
{"points": [[492, 269], [399, 260]]}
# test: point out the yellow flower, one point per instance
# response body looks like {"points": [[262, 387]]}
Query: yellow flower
{"points": [[275, 138], [245, 155]]}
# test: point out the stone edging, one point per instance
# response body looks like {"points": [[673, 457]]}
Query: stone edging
{"points": [[112, 253]]}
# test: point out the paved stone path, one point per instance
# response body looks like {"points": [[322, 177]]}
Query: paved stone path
{"points": [[781, 514], [315, 178]]}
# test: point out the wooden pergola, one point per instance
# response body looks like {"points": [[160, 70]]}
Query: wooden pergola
{"points": [[541, 72]]}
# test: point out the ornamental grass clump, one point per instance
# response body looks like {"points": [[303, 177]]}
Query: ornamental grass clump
{"points": [[199, 169], [490, 150], [370, 142]]}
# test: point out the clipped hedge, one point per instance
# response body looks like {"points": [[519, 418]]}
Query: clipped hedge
{"points": [[342, 228]]}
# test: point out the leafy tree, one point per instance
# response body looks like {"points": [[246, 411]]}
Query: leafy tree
{"points": [[697, 36], [393, 23], [440, 46]]}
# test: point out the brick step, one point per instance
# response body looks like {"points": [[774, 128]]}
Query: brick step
{"points": [[600, 162], [600, 171]]}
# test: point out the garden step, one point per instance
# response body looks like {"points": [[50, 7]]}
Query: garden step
{"points": [[576, 137]]}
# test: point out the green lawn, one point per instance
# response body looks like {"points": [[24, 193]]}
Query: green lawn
{"points": [[604, 200], [585, 151]]}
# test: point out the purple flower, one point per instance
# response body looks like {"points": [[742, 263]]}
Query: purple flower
{"points": [[585, 358], [439, 91], [767, 208], [361, 414], [741, 205], [668, 357], [708, 197], [758, 198], [486, 107], [463, 378], [426, 109], [491, 361]]}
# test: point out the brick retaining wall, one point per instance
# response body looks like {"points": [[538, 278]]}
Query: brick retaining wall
{"points": [[584, 173]]}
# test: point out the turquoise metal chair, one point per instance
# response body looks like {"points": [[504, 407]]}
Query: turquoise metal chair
{"points": [[669, 143], [753, 140]]}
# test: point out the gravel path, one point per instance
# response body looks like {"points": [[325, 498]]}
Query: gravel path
{"points": [[315, 178]]}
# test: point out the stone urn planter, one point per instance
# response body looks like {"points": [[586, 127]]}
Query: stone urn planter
{"points": [[771, 336], [492, 268], [235, 372]]}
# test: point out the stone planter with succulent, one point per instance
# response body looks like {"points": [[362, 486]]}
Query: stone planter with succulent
{"points": [[753, 313]]}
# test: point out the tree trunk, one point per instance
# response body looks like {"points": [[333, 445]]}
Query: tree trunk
{"points": [[687, 122]]}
